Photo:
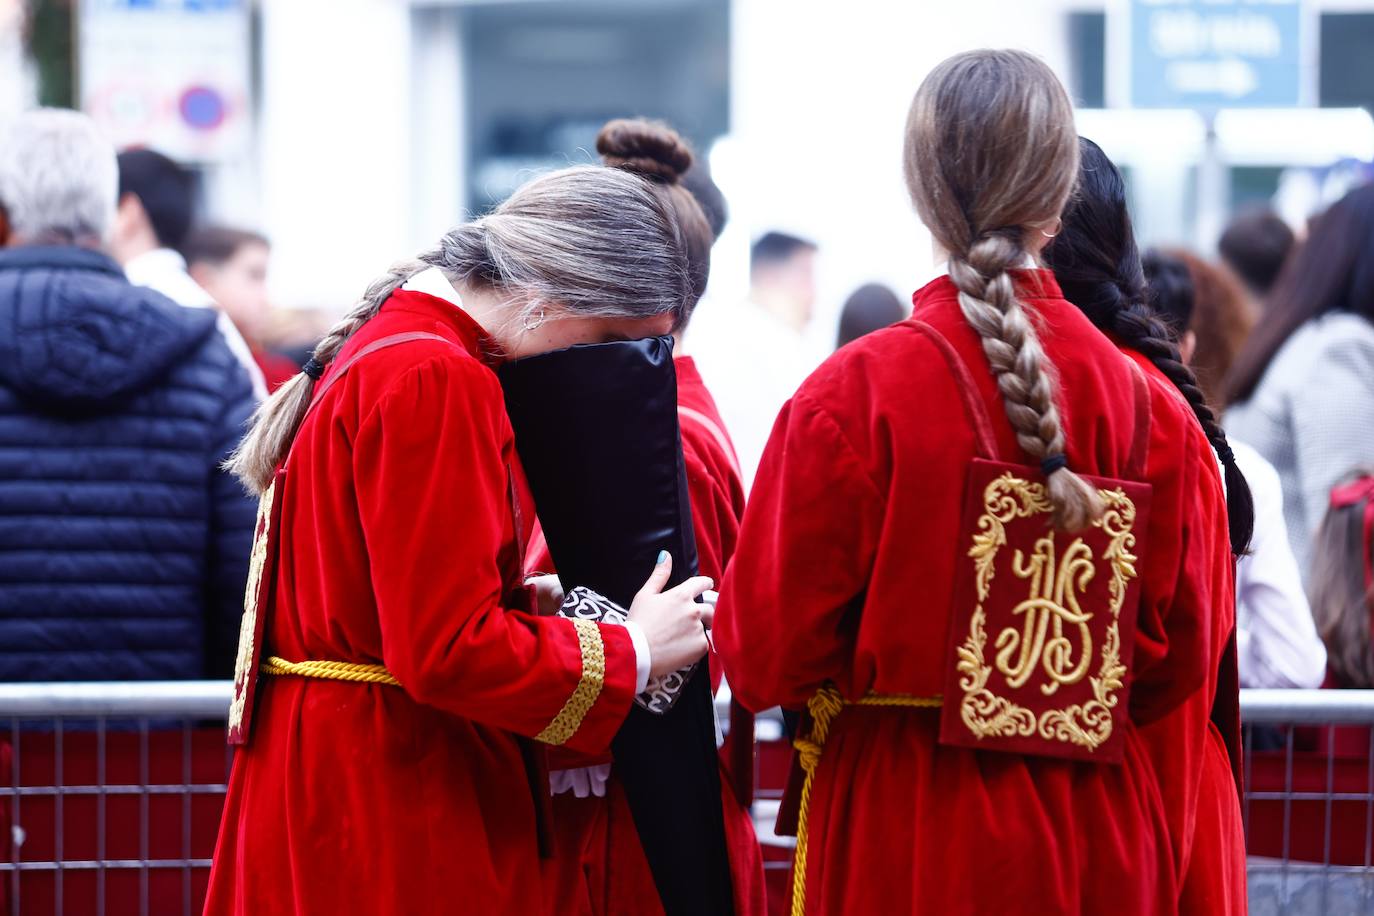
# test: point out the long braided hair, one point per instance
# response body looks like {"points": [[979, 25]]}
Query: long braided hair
{"points": [[990, 152], [1098, 266], [587, 240]]}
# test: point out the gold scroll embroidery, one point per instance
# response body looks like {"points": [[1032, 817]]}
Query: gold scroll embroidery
{"points": [[248, 624], [569, 718], [1051, 619]]}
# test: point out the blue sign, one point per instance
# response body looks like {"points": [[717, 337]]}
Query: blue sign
{"points": [[1212, 54], [165, 6]]}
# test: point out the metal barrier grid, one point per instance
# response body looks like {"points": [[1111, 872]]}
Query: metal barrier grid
{"points": [[1308, 804], [105, 746]]}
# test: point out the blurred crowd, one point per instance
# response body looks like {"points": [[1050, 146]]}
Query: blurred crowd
{"points": [[137, 339]]}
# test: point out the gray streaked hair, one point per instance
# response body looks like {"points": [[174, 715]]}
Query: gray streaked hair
{"points": [[589, 240], [58, 177]]}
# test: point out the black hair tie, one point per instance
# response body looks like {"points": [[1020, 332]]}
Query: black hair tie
{"points": [[1054, 463], [313, 368]]}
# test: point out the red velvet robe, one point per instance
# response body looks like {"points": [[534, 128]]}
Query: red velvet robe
{"points": [[845, 571], [600, 867], [399, 544], [1190, 756]]}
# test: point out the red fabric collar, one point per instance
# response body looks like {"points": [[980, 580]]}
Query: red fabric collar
{"points": [[471, 335], [1030, 284], [1352, 494]]}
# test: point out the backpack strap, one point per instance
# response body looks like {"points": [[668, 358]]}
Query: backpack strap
{"points": [[1140, 445], [977, 411], [381, 343]]}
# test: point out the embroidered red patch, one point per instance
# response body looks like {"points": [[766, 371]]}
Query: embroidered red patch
{"points": [[1043, 621], [257, 603]]}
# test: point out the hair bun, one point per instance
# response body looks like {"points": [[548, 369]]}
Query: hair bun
{"points": [[648, 148]]}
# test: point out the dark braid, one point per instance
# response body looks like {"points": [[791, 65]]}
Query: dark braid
{"points": [[1098, 266], [1141, 330]]}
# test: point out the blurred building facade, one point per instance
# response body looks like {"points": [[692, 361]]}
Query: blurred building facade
{"points": [[375, 124]]}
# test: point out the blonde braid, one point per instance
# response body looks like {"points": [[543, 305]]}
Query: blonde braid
{"points": [[276, 421], [988, 300]]}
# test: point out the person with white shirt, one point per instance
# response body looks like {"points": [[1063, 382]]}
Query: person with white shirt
{"points": [[753, 355], [1276, 636], [152, 221]]}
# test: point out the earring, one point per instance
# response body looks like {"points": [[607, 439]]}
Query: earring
{"points": [[1058, 227], [532, 323]]}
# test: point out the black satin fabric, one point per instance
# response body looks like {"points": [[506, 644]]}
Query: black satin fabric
{"points": [[596, 427]]}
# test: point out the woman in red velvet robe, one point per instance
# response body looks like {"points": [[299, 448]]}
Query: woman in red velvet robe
{"points": [[854, 548], [1196, 748], [420, 786]]}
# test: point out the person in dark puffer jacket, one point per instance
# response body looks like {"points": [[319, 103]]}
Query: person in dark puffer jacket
{"points": [[123, 544]]}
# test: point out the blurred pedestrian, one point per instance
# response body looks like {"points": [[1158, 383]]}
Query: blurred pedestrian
{"points": [[598, 858], [1343, 581], [408, 682], [869, 308], [156, 210], [123, 545], [1302, 389], [1222, 318], [1255, 245], [753, 354], [913, 498], [231, 266], [1277, 640]]}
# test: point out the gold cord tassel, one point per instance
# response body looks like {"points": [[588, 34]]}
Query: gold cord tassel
{"points": [[823, 708]]}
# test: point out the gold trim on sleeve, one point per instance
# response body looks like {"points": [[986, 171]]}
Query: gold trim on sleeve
{"points": [[569, 718]]}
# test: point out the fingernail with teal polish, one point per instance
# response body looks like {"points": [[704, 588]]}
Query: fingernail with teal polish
{"points": [[662, 557]]}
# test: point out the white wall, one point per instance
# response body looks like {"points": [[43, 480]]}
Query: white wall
{"points": [[16, 88], [361, 145], [819, 99], [335, 145]]}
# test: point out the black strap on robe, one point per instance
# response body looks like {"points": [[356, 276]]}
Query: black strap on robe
{"points": [[596, 427]]}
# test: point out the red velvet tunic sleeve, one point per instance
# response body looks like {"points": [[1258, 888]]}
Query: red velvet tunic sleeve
{"points": [[431, 466], [806, 551]]}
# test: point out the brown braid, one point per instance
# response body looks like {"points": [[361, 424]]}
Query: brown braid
{"points": [[988, 301]]}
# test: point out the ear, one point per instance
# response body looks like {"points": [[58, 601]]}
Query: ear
{"points": [[1187, 346], [129, 213], [201, 273]]}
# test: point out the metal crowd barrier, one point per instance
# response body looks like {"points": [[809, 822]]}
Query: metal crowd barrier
{"points": [[110, 797]]}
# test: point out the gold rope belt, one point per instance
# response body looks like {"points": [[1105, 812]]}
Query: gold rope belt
{"points": [[824, 707], [331, 671]]}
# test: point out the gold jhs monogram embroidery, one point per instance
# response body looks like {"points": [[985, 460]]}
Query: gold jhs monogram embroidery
{"points": [[1052, 605], [1054, 637]]}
